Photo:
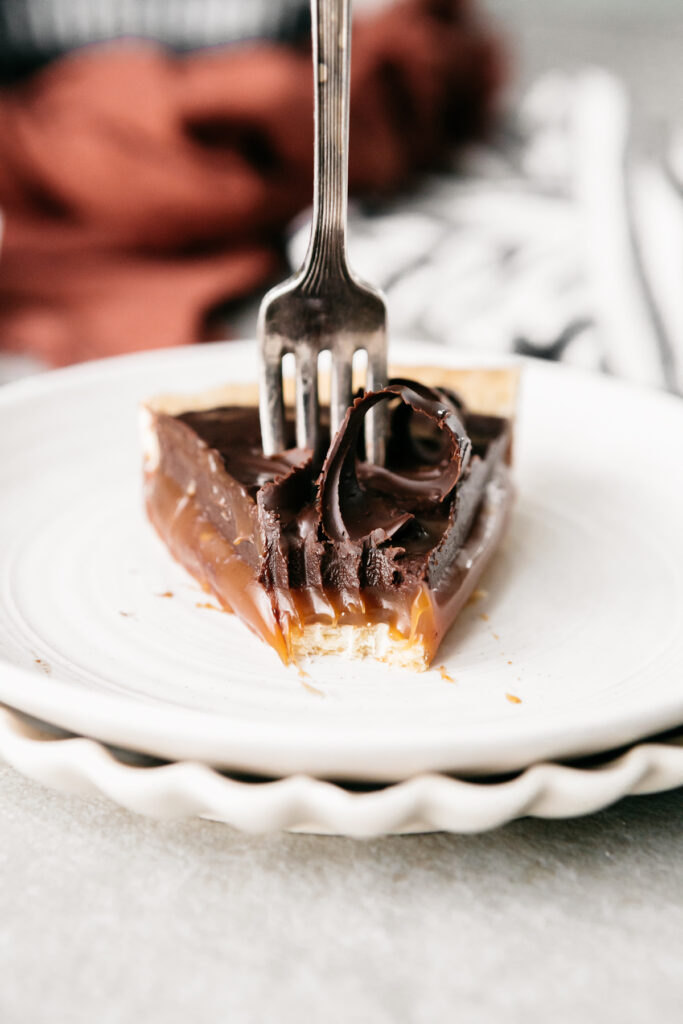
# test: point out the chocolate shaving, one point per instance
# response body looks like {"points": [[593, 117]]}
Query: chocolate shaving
{"points": [[360, 502]]}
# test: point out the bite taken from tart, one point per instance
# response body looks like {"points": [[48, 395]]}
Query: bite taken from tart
{"points": [[325, 553]]}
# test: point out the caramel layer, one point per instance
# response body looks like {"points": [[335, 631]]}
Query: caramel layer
{"points": [[195, 542], [415, 616]]}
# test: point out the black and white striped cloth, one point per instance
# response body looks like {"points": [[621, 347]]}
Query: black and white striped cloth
{"points": [[33, 31], [555, 240]]}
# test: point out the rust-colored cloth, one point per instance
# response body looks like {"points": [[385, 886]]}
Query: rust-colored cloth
{"points": [[140, 189]]}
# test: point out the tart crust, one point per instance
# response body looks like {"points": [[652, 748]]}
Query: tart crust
{"points": [[484, 390]]}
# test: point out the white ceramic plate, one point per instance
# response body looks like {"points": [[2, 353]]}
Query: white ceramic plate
{"points": [[424, 803], [581, 621]]}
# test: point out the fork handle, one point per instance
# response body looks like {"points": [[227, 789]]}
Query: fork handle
{"points": [[331, 32]]}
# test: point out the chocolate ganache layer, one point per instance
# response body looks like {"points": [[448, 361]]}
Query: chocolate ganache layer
{"points": [[309, 553]]}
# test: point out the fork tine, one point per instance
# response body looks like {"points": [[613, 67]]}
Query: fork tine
{"points": [[341, 387], [272, 409], [377, 361], [375, 421], [306, 356]]}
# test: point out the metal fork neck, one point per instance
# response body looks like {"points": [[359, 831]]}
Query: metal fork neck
{"points": [[331, 34]]}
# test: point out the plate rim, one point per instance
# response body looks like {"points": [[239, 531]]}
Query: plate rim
{"points": [[133, 722], [300, 803]]}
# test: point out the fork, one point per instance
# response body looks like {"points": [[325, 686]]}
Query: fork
{"points": [[324, 307]]}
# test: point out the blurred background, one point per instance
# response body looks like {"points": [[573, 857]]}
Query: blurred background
{"points": [[516, 174]]}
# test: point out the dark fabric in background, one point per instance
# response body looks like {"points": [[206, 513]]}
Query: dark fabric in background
{"points": [[144, 189]]}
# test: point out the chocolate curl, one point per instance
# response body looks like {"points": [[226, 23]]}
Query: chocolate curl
{"points": [[352, 509]]}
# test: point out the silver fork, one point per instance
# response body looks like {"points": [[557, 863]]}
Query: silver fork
{"points": [[324, 306]]}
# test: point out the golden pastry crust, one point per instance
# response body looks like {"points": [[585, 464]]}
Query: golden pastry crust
{"points": [[492, 391]]}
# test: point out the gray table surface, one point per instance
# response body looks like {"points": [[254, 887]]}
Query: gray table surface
{"points": [[108, 917]]}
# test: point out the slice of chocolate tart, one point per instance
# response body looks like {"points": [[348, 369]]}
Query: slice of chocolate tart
{"points": [[335, 555]]}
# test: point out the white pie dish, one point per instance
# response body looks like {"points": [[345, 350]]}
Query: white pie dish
{"points": [[426, 802]]}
